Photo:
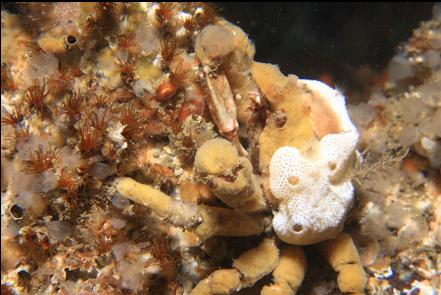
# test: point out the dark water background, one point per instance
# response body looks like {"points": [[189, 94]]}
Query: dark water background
{"points": [[349, 44]]}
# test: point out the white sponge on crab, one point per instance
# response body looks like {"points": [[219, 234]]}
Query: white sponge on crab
{"points": [[313, 189]]}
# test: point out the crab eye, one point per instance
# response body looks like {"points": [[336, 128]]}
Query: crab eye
{"points": [[279, 118]]}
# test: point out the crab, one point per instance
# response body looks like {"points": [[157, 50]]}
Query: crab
{"points": [[297, 192], [301, 197]]}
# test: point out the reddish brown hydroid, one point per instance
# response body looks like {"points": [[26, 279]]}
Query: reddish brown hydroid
{"points": [[35, 96], [165, 12], [133, 122], [90, 139], [69, 182], [169, 50], [99, 121], [13, 117], [72, 105], [41, 159]]}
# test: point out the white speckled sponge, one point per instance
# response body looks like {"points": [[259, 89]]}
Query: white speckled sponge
{"points": [[313, 188]]}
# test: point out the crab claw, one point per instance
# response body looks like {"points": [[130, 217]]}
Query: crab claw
{"points": [[221, 105]]}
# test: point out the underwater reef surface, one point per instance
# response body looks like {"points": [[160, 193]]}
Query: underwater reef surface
{"points": [[145, 151]]}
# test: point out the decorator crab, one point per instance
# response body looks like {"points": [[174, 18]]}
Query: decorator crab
{"points": [[305, 154]]}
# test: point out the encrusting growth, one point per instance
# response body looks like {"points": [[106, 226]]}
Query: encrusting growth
{"points": [[308, 173]]}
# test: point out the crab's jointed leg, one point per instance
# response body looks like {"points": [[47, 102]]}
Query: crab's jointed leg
{"points": [[221, 104], [343, 257], [206, 221], [222, 281], [289, 273], [218, 159], [249, 267]]}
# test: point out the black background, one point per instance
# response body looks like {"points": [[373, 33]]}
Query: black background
{"points": [[309, 39]]}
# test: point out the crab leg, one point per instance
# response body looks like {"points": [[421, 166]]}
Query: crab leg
{"points": [[223, 108], [289, 273], [221, 104], [221, 281], [207, 221], [249, 267], [343, 257], [161, 204]]}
